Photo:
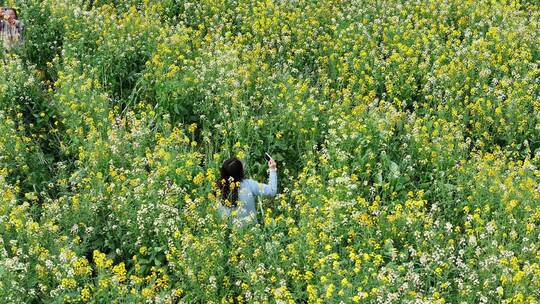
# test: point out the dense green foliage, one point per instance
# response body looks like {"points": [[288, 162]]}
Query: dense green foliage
{"points": [[407, 136]]}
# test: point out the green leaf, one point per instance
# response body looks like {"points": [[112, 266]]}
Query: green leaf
{"points": [[394, 170]]}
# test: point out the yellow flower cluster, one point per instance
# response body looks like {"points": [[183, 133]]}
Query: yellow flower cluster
{"points": [[101, 260]]}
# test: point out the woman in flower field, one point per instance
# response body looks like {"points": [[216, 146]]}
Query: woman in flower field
{"points": [[10, 28], [234, 187], [407, 136]]}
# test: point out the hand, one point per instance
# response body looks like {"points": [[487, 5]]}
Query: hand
{"points": [[272, 164]]}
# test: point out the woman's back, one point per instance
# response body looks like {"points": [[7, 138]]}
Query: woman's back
{"points": [[246, 212]]}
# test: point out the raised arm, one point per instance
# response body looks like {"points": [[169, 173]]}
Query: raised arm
{"points": [[269, 189]]}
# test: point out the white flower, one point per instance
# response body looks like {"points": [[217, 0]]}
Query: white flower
{"points": [[472, 240], [49, 264], [74, 229]]}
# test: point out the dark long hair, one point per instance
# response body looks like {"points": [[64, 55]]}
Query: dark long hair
{"points": [[231, 171]]}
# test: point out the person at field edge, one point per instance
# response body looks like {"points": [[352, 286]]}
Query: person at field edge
{"points": [[10, 28], [238, 193]]}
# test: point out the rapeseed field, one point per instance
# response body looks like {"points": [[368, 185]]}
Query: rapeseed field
{"points": [[406, 135]]}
